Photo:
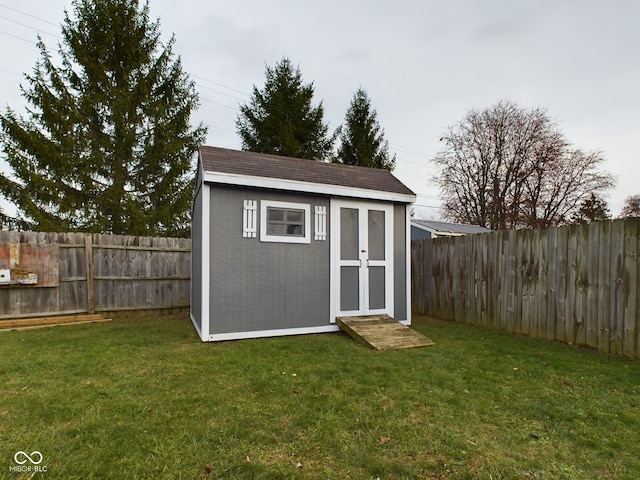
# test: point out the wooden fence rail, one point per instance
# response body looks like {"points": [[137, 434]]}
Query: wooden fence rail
{"points": [[575, 284], [81, 273]]}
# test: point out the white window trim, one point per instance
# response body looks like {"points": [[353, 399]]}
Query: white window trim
{"points": [[264, 237]]}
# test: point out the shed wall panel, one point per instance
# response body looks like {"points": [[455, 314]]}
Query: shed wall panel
{"points": [[259, 286], [196, 261]]}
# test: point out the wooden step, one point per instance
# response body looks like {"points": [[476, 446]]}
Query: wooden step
{"points": [[382, 332], [40, 322]]}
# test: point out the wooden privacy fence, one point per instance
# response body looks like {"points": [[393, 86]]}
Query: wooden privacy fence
{"points": [[575, 284], [43, 274]]}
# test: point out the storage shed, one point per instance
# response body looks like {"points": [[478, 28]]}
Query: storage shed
{"points": [[433, 229], [284, 246]]}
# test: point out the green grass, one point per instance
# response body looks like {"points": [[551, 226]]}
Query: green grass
{"points": [[145, 399]]}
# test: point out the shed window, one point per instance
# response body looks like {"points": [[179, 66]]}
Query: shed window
{"points": [[284, 222]]}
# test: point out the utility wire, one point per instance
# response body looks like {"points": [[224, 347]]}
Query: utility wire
{"points": [[28, 15], [220, 85], [218, 91], [29, 26], [18, 37], [400, 148], [426, 206], [217, 103], [10, 72]]}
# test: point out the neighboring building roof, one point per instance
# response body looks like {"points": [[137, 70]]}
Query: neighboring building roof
{"points": [[237, 167], [445, 228]]}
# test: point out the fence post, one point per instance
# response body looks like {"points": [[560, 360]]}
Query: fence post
{"points": [[88, 248]]}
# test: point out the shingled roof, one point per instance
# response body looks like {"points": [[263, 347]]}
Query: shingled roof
{"points": [[250, 164]]}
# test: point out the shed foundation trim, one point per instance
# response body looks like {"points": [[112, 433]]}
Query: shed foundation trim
{"points": [[273, 333]]}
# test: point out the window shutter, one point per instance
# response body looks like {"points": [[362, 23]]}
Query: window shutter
{"points": [[249, 217], [321, 222]]}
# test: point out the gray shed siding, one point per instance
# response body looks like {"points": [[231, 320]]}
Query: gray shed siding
{"points": [[400, 262], [196, 263], [260, 286]]}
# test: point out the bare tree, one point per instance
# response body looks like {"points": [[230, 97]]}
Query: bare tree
{"points": [[631, 207], [506, 167]]}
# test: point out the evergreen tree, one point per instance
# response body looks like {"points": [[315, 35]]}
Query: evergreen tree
{"points": [[107, 145], [281, 120], [362, 138], [592, 209]]}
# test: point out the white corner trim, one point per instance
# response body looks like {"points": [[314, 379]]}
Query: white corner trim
{"points": [[206, 265], [218, 337], [309, 187], [407, 219]]}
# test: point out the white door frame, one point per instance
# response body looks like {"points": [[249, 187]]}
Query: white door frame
{"points": [[363, 262]]}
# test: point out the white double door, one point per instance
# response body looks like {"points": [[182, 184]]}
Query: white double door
{"points": [[362, 252]]}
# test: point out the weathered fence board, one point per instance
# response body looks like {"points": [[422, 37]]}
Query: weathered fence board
{"points": [[630, 297], [575, 284], [101, 273]]}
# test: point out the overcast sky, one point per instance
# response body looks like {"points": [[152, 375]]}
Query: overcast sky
{"points": [[424, 64]]}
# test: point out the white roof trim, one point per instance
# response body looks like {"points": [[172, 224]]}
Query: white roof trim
{"points": [[309, 187], [423, 227]]}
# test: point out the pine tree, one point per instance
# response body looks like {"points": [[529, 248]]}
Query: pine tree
{"points": [[107, 145], [281, 120], [592, 209], [362, 137]]}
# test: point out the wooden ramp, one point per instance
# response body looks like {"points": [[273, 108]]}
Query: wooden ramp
{"points": [[382, 332]]}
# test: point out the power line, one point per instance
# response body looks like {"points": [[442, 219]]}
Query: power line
{"points": [[29, 26], [218, 91], [427, 206], [431, 197], [28, 15], [220, 128], [410, 151], [403, 150], [10, 72], [218, 103], [18, 37], [221, 85]]}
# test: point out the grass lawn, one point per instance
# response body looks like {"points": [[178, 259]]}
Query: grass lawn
{"points": [[144, 398]]}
